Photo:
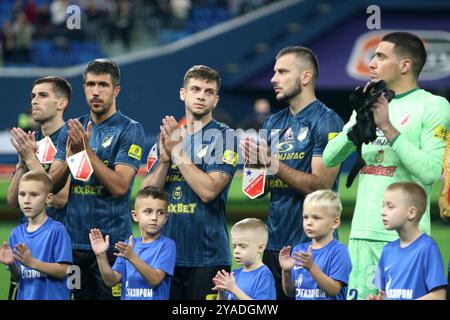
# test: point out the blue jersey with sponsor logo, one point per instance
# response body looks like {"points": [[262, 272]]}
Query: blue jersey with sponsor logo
{"points": [[159, 254], [301, 137], [49, 243], [200, 229], [258, 284], [116, 141], [410, 272], [333, 260]]}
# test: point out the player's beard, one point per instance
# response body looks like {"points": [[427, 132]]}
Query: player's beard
{"points": [[292, 93], [100, 111]]}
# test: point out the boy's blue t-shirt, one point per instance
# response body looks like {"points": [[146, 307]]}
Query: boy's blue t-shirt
{"points": [[410, 272], [333, 260], [49, 243], [258, 284], [159, 254]]}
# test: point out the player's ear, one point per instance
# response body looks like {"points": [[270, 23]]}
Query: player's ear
{"points": [[182, 93], [412, 213], [306, 77], [50, 197], [116, 91], [62, 104], [261, 247], [134, 214], [167, 216], [217, 98], [336, 222], [405, 65]]}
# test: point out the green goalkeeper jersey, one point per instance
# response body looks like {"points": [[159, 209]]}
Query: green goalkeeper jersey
{"points": [[415, 155]]}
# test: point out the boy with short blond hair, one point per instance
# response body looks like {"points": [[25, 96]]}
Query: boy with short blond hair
{"points": [[254, 281], [39, 251], [318, 270], [410, 267], [144, 265]]}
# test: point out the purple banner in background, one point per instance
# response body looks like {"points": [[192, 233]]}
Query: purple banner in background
{"points": [[345, 52]]}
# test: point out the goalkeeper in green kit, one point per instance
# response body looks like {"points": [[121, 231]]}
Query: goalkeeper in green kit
{"points": [[407, 145]]}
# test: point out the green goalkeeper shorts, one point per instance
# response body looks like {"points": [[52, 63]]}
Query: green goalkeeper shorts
{"points": [[364, 255]]}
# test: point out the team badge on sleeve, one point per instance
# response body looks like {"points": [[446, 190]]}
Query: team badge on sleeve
{"points": [[440, 132], [152, 157], [253, 182], [46, 150], [230, 157], [80, 166], [332, 135], [135, 152]]}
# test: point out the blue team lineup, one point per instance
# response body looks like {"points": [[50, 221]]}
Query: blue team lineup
{"points": [[73, 183]]}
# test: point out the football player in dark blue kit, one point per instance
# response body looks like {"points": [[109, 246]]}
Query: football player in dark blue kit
{"points": [[113, 143], [295, 158], [50, 97], [195, 166]]}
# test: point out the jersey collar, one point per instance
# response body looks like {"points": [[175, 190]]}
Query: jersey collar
{"points": [[404, 94]]}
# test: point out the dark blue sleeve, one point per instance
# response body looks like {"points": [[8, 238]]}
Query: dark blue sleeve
{"points": [[225, 156], [341, 265], [62, 249], [166, 257], [327, 128], [131, 143], [62, 142]]}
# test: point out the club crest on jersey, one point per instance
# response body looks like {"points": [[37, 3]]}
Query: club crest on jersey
{"points": [[302, 133], [201, 152], [107, 141], [177, 193], [404, 120], [379, 156]]}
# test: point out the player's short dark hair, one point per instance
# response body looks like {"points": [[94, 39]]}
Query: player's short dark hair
{"points": [[61, 87], [305, 55], [203, 73], [408, 45], [417, 196], [103, 66], [154, 193], [39, 176]]}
